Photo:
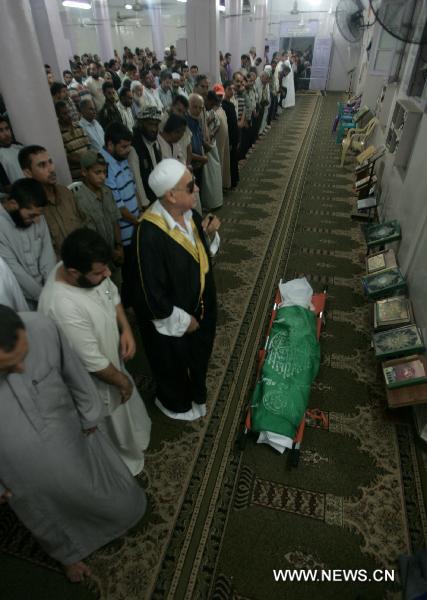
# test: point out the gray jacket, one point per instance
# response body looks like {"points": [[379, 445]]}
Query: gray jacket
{"points": [[28, 253]]}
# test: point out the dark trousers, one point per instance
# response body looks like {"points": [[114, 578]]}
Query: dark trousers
{"points": [[245, 141], [234, 166], [272, 110], [179, 364], [127, 276]]}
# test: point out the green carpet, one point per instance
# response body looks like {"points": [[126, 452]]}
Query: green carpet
{"points": [[222, 520]]}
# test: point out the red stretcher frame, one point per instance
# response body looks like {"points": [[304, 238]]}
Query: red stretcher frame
{"points": [[316, 415]]}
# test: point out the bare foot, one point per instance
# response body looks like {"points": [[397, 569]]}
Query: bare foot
{"points": [[77, 572]]}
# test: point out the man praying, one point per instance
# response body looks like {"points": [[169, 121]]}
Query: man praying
{"points": [[61, 477], [174, 296], [83, 301]]}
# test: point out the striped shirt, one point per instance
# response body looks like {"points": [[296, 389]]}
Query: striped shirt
{"points": [[121, 182], [75, 143], [240, 97]]}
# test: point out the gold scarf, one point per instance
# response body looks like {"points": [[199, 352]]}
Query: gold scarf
{"points": [[198, 251]]}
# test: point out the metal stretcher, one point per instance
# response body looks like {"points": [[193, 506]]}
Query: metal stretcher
{"points": [[315, 416]]}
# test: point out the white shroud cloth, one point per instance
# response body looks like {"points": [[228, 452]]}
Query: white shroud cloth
{"points": [[89, 320]]}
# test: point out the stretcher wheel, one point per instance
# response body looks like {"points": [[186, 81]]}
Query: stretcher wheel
{"points": [[293, 458], [241, 440]]}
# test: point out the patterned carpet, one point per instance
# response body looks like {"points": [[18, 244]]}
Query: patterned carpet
{"points": [[220, 519]]}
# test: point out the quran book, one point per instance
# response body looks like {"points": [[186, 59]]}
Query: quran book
{"points": [[369, 202], [407, 372], [398, 342], [384, 283], [380, 260], [365, 181], [376, 263], [392, 312], [379, 234], [374, 157]]}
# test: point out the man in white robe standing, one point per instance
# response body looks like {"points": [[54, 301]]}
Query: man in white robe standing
{"points": [[83, 301], [288, 83], [58, 473]]}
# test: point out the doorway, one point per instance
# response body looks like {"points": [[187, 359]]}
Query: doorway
{"points": [[302, 49]]}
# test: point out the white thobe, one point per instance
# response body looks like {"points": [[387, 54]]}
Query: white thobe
{"points": [[10, 292], [288, 83], [126, 115], [89, 320], [71, 490], [150, 98], [10, 163]]}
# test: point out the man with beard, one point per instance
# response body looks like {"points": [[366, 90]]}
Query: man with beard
{"points": [[61, 212], [149, 95], [164, 92], [85, 304], [25, 243], [124, 107], [146, 145], [74, 139], [121, 181], [94, 84], [109, 113], [58, 473], [10, 170]]}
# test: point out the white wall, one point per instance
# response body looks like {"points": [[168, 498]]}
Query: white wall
{"points": [[84, 39], [404, 194], [344, 57]]}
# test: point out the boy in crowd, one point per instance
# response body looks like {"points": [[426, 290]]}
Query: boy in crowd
{"points": [[95, 200]]}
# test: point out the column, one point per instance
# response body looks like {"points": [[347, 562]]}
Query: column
{"points": [[202, 37], [50, 34], [26, 94], [260, 28], [233, 31], [158, 44], [69, 31], [103, 30]]}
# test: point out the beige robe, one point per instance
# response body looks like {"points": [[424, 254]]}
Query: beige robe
{"points": [[223, 146]]}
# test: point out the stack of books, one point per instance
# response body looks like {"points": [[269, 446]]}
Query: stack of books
{"points": [[392, 312], [382, 233], [402, 372], [382, 284], [406, 381], [364, 181], [380, 261], [401, 341], [372, 159]]}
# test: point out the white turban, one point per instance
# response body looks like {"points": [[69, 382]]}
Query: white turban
{"points": [[165, 176]]}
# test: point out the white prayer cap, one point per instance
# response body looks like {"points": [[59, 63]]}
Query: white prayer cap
{"points": [[268, 68], [176, 76], [165, 176]]}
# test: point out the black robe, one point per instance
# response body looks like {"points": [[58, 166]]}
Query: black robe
{"points": [[167, 275], [145, 162]]}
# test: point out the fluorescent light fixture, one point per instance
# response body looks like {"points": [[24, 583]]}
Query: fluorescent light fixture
{"points": [[183, 1], [221, 8], [77, 4], [128, 6]]}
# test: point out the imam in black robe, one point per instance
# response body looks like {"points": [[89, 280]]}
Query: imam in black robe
{"points": [[167, 275]]}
